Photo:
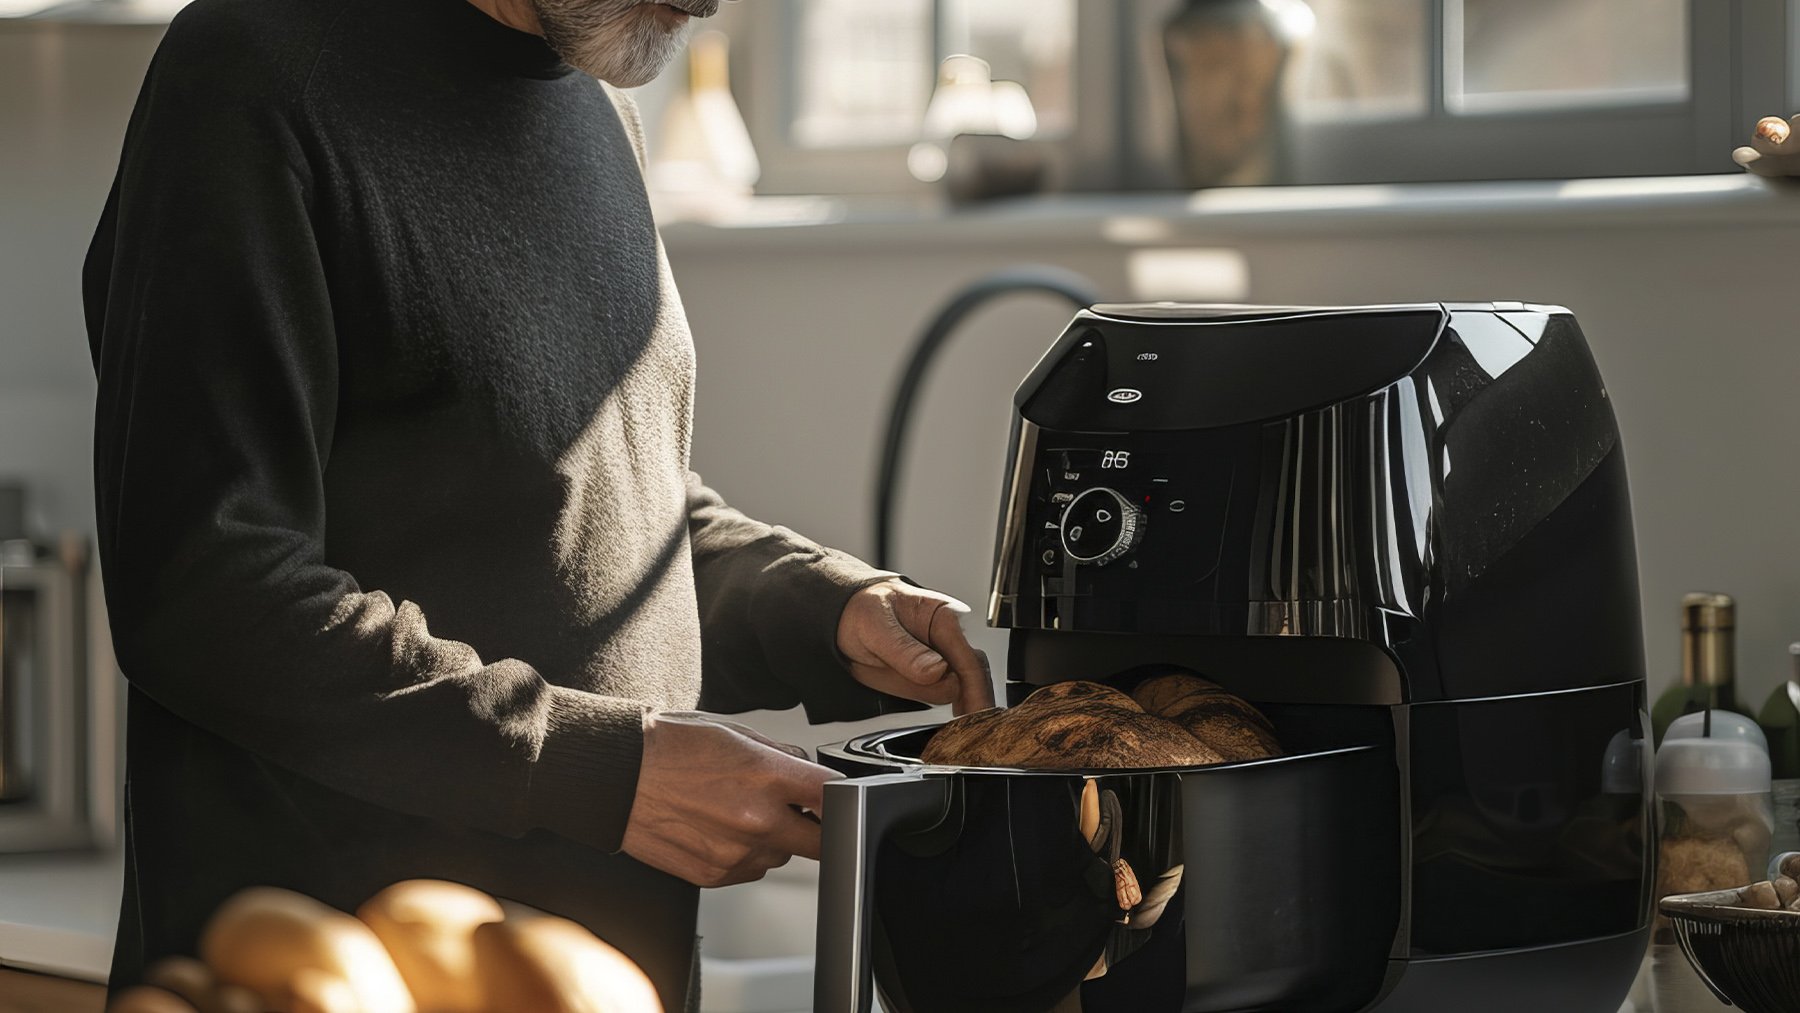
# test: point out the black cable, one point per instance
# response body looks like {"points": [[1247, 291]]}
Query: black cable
{"points": [[1024, 278]]}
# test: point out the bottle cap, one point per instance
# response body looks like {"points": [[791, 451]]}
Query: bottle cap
{"points": [[1711, 767], [1708, 610], [1725, 725]]}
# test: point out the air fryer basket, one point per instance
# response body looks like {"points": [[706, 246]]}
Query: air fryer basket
{"points": [[971, 889]]}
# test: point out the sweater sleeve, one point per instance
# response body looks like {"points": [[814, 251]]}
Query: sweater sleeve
{"points": [[770, 601], [211, 327]]}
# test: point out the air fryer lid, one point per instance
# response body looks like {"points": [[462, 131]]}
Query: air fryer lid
{"points": [[1133, 372]]}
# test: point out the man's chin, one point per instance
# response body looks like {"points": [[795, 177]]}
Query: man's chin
{"points": [[634, 76], [628, 79], [630, 70]]}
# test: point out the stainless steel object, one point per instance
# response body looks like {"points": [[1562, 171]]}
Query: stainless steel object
{"points": [[863, 811], [58, 707]]}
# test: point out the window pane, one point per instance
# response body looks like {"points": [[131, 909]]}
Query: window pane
{"points": [[1363, 59], [1536, 54], [865, 72], [1028, 41]]}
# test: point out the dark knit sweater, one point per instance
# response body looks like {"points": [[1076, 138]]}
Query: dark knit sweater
{"points": [[391, 461]]}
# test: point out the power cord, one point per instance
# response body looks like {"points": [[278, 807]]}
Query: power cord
{"points": [[1023, 278]]}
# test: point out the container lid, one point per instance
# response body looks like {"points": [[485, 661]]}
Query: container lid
{"points": [[1711, 767], [1725, 725]]}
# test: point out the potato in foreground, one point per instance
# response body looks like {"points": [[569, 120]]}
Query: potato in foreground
{"points": [[264, 938], [428, 927], [547, 964]]}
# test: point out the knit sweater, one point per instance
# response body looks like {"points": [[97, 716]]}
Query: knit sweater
{"points": [[391, 460]]}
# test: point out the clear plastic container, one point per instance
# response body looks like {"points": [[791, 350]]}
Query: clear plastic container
{"points": [[1715, 823]]}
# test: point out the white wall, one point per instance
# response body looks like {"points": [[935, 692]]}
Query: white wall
{"points": [[65, 94]]}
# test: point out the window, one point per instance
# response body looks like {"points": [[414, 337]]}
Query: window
{"points": [[1346, 67], [836, 91], [1504, 55], [1373, 90], [1498, 89], [863, 72], [1414, 90], [865, 69]]}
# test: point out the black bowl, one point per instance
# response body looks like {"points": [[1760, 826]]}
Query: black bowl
{"points": [[1748, 957]]}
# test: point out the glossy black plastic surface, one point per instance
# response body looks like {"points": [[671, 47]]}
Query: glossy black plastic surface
{"points": [[1206, 373], [1419, 512], [1466, 506], [1531, 820], [1592, 976], [1283, 898]]}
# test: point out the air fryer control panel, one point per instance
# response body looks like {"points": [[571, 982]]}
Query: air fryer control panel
{"points": [[1126, 518]]}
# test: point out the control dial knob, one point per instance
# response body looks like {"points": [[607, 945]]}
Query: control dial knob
{"points": [[1099, 525]]}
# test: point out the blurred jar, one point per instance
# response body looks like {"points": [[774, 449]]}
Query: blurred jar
{"points": [[1715, 824]]}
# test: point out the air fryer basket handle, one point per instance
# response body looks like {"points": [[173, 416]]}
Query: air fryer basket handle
{"points": [[859, 814]]}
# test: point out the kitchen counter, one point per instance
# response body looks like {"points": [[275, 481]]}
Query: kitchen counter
{"points": [[58, 913], [1151, 219]]}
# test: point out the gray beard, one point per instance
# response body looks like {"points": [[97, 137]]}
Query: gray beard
{"points": [[609, 39]]}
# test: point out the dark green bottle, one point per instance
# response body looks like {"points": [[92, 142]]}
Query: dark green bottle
{"points": [[1780, 720], [1708, 675]]}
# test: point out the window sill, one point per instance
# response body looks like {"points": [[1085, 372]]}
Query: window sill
{"points": [[1205, 216]]}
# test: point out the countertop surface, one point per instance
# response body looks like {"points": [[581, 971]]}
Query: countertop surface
{"points": [[1152, 219], [58, 912]]}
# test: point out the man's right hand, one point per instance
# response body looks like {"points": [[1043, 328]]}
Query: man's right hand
{"points": [[717, 805]]}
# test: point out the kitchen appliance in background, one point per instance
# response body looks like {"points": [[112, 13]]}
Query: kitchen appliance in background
{"points": [[58, 703], [1404, 533]]}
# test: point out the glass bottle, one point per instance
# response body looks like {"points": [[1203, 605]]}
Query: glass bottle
{"points": [[1708, 661], [1780, 720]]}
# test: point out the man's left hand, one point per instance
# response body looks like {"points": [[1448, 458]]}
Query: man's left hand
{"points": [[908, 642]]}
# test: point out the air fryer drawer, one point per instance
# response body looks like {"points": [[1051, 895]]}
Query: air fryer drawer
{"points": [[1281, 878]]}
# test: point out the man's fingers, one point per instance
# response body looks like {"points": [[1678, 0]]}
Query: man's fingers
{"points": [[976, 689], [798, 782], [794, 834], [886, 680], [1771, 135], [798, 752], [907, 652], [978, 693]]}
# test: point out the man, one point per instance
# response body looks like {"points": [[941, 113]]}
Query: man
{"points": [[403, 558]]}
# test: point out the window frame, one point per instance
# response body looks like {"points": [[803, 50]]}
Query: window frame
{"points": [[1650, 139], [1744, 62]]}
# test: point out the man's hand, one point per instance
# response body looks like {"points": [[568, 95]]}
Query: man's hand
{"points": [[718, 804], [908, 642]]}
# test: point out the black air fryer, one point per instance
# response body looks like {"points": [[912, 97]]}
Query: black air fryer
{"points": [[1404, 533]]}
